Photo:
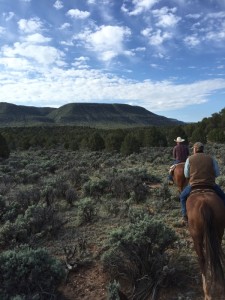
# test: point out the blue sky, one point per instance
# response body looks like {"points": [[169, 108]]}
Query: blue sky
{"points": [[166, 56]]}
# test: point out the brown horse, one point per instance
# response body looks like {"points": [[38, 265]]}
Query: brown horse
{"points": [[206, 223], [178, 176]]}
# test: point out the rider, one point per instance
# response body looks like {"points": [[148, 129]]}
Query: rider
{"points": [[180, 154], [202, 170]]}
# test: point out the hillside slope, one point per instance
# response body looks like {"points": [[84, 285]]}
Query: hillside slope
{"points": [[20, 115], [81, 114]]}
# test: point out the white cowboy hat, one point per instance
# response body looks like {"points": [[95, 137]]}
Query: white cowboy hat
{"points": [[179, 140]]}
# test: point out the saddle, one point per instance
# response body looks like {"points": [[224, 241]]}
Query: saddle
{"points": [[202, 189], [172, 168]]}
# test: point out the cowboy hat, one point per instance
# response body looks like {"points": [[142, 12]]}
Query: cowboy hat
{"points": [[179, 140]]}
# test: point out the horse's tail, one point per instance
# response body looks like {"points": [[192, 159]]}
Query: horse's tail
{"points": [[213, 251]]}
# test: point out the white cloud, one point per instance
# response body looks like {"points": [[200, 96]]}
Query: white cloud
{"points": [[159, 37], [91, 2], [166, 17], [163, 29], [146, 32], [215, 15], [78, 14], [140, 6], [155, 66], [67, 43], [140, 49], [31, 25], [193, 16], [45, 55], [64, 26], [210, 28], [81, 62], [107, 41], [8, 16], [16, 64], [156, 38], [215, 36], [58, 4], [56, 87], [37, 38]]}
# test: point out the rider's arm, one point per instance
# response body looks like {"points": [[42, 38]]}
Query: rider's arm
{"points": [[216, 168], [187, 168]]}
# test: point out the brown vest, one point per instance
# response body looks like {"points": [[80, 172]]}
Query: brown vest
{"points": [[201, 170]]}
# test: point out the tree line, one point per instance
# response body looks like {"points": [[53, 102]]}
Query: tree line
{"points": [[125, 141]]}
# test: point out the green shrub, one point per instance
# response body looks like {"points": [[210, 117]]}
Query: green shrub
{"points": [[122, 184], [71, 196], [35, 221], [137, 214], [95, 188], [140, 192], [49, 194], [12, 211], [112, 206], [87, 210], [27, 196], [114, 292], [12, 234], [42, 219], [2, 208], [78, 176], [139, 253], [27, 272]]}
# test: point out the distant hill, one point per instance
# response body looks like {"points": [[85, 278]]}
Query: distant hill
{"points": [[19, 115], [82, 114]]}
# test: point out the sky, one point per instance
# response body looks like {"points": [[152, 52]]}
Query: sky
{"points": [[165, 56]]}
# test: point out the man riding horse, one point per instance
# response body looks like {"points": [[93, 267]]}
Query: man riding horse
{"points": [[180, 154], [202, 170]]}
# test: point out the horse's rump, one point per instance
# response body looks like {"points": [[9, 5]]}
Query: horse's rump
{"points": [[206, 222], [199, 200], [178, 176]]}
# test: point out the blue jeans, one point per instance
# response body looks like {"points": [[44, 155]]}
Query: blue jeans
{"points": [[186, 192], [183, 198]]}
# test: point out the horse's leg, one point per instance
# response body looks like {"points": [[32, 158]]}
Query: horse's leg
{"points": [[205, 288], [198, 245]]}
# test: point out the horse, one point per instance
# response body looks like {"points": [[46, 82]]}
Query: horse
{"points": [[178, 176], [206, 223]]}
